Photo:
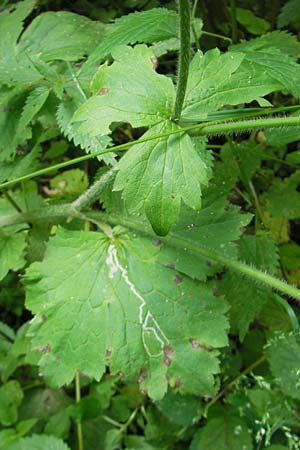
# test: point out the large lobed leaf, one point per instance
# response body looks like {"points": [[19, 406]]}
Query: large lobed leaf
{"points": [[138, 95], [112, 303]]}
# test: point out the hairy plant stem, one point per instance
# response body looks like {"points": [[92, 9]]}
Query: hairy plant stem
{"points": [[185, 244], [184, 56], [64, 211], [78, 422], [202, 129], [94, 191]]}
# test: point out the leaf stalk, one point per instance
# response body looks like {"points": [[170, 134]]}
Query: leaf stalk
{"points": [[184, 56]]}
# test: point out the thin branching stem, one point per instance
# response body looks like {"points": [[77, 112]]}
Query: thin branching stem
{"points": [[78, 398], [220, 127], [65, 211]]}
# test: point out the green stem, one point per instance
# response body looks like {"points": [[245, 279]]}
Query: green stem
{"points": [[238, 266], [219, 36], [235, 380], [184, 56], [94, 191], [78, 398], [202, 129], [233, 21], [247, 125], [67, 210], [12, 202]]}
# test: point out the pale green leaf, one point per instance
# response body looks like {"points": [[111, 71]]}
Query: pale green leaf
{"points": [[12, 246], [278, 67], [150, 26], [11, 396], [224, 430], [39, 442], [282, 40], [141, 96], [157, 175], [61, 35], [217, 79], [113, 304], [284, 358], [68, 185]]}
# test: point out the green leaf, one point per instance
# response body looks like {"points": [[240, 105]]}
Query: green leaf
{"points": [[245, 298], [10, 113], [111, 303], [11, 25], [61, 35], [278, 67], [69, 184], [284, 353], [150, 26], [33, 104], [157, 175], [12, 246], [287, 189], [141, 96], [217, 79], [90, 144], [216, 227], [59, 424], [13, 68], [11, 396], [224, 430], [289, 14], [39, 442], [20, 166], [282, 40], [243, 157], [252, 23], [183, 410]]}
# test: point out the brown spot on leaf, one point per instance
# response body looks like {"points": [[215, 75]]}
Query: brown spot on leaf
{"points": [[108, 352], [171, 265], [142, 375], [196, 345], [177, 382], [215, 292], [103, 91], [157, 243], [169, 354], [46, 349], [177, 279], [208, 263]]}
